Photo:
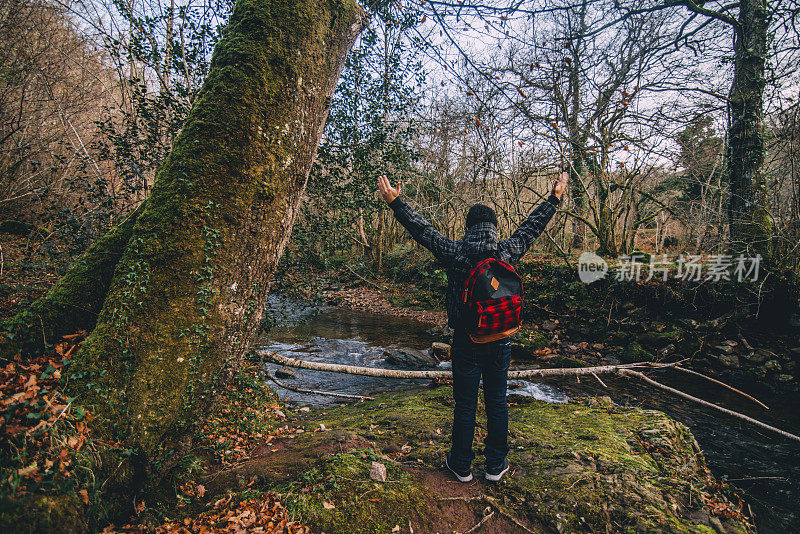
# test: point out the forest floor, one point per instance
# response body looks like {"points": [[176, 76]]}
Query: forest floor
{"points": [[375, 467]]}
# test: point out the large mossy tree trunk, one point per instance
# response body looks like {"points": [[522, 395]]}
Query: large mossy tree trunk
{"points": [[186, 297], [750, 222]]}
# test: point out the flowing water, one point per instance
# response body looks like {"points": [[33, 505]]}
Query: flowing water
{"points": [[765, 468], [351, 337]]}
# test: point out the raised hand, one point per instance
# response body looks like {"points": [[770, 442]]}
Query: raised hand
{"points": [[388, 192], [561, 184]]}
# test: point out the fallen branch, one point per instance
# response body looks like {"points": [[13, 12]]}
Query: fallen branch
{"points": [[315, 392], [365, 280], [737, 415], [723, 384], [399, 373], [601, 382], [629, 369]]}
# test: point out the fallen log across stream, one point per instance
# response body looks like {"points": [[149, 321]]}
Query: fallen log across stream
{"points": [[632, 370], [401, 373]]}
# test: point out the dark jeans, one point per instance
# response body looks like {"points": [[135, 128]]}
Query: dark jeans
{"points": [[471, 361]]}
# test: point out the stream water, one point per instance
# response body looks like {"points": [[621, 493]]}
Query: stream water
{"points": [[765, 468]]}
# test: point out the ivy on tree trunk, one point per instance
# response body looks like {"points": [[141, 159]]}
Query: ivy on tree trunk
{"points": [[750, 222]]}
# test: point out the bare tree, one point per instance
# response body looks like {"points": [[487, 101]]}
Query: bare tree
{"points": [[569, 88], [53, 87]]}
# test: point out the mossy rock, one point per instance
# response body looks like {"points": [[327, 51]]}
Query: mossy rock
{"points": [[635, 353], [576, 467], [659, 339], [584, 331], [344, 498], [530, 339], [58, 514]]}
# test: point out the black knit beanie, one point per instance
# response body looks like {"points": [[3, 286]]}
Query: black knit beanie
{"points": [[480, 213]]}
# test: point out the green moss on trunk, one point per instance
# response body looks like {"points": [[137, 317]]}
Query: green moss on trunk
{"points": [[187, 295], [74, 302], [750, 221]]}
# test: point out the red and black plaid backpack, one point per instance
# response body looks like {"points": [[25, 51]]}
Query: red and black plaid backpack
{"points": [[492, 301]]}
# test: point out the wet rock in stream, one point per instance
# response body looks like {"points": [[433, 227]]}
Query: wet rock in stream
{"points": [[406, 357], [285, 372], [440, 350]]}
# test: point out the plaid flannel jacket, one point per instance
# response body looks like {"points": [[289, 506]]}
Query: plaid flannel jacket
{"points": [[479, 242]]}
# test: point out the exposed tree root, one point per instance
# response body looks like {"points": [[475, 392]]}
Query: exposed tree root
{"points": [[493, 504], [486, 517]]}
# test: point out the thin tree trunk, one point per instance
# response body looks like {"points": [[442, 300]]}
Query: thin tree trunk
{"points": [[605, 220], [659, 234], [187, 296], [366, 248], [577, 135], [578, 198], [381, 230], [750, 223]]}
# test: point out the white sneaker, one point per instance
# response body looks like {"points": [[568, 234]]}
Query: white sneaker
{"points": [[465, 476], [494, 475]]}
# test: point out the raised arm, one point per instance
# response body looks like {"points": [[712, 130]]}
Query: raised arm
{"points": [[420, 229], [522, 239]]}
